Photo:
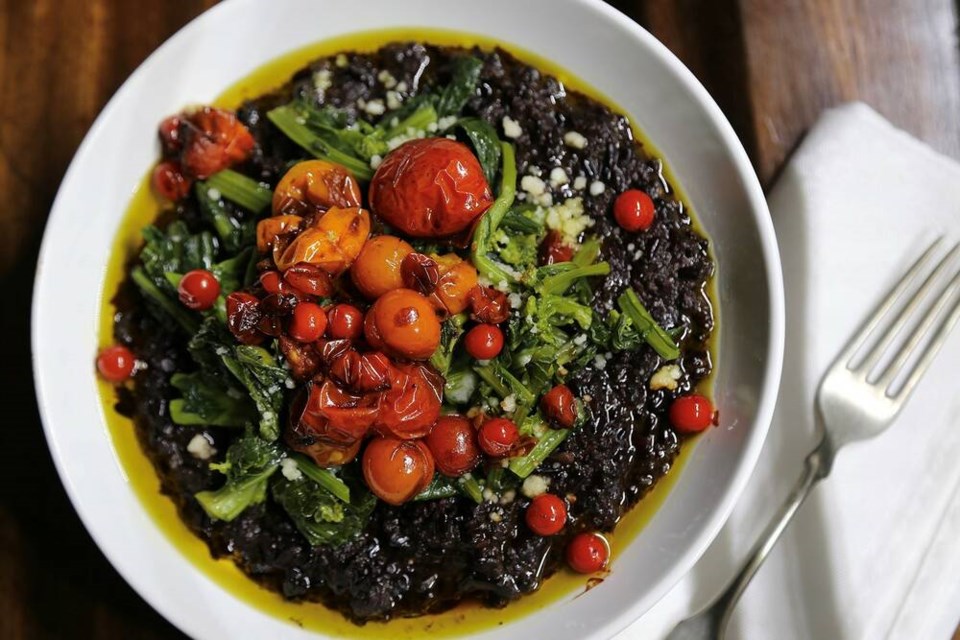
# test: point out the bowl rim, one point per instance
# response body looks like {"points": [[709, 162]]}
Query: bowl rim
{"points": [[774, 348]]}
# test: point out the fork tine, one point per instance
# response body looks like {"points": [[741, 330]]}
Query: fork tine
{"points": [[896, 366], [857, 341], [931, 351], [891, 332]]}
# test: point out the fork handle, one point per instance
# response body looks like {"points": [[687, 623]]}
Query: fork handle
{"points": [[815, 467]]}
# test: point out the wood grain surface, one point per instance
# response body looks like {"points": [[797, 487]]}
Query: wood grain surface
{"points": [[772, 65]]}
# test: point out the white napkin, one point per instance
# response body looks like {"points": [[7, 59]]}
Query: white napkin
{"points": [[875, 551]]}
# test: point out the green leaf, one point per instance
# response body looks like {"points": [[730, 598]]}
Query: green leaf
{"points": [[264, 380], [205, 402], [450, 332], [321, 517], [324, 477], [163, 301], [462, 86], [233, 233], [652, 333], [486, 144], [250, 462], [525, 465], [327, 143], [237, 188], [482, 242], [561, 280]]}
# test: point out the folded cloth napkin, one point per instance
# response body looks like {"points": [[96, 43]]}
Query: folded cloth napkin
{"points": [[875, 551]]}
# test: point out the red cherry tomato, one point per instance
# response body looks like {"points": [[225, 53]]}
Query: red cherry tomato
{"points": [[169, 181], [691, 414], [243, 317], [116, 363], [496, 437], [587, 553], [488, 305], [411, 405], [546, 515], [213, 139], [344, 322], [484, 341], [198, 289], [430, 188], [559, 406], [309, 278], [308, 322], [554, 249], [397, 470], [169, 133], [453, 443], [634, 210], [338, 416]]}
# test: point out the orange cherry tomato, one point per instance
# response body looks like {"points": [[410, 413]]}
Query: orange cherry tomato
{"points": [[198, 289], [546, 515], [497, 437], [634, 210], [411, 406], [213, 140], [559, 406], [484, 341], [453, 443], [430, 188], [377, 268], [325, 454], [270, 231], [169, 181], [344, 322], [587, 553], [332, 243], [315, 185], [404, 324], [116, 363], [691, 414], [308, 322], [397, 470], [457, 278]]}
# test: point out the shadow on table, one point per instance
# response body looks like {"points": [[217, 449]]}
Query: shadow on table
{"points": [[57, 583], [804, 548]]}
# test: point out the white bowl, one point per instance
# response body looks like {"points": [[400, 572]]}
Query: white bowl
{"points": [[591, 40]]}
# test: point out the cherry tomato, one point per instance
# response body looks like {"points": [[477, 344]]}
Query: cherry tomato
{"points": [[169, 181], [325, 454], [457, 278], [430, 188], [546, 515], [213, 140], [691, 414], [497, 437], [420, 273], [554, 249], [243, 316], [309, 278], [634, 210], [277, 232], [559, 406], [339, 416], [411, 406], [364, 373], [397, 470], [198, 289], [453, 443], [302, 358], [587, 553], [344, 322], [484, 341], [115, 363], [332, 242], [377, 268], [169, 134], [314, 185], [308, 322], [303, 435], [404, 324], [488, 305]]}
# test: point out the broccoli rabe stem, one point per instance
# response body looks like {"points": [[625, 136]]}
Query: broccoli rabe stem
{"points": [[483, 236], [238, 188], [294, 127], [525, 465], [174, 310]]}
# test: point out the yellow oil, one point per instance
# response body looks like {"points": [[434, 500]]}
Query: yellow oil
{"points": [[463, 620]]}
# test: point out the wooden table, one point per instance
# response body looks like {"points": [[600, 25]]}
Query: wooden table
{"points": [[772, 65]]}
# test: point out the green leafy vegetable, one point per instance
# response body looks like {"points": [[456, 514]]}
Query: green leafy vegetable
{"points": [[250, 462], [209, 343], [661, 341], [234, 234], [163, 301], [324, 477], [440, 487], [523, 466], [321, 144], [561, 280], [450, 332], [462, 86], [482, 242], [204, 402], [319, 515], [486, 144], [248, 193], [264, 379]]}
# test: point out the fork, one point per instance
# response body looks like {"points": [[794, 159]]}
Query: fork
{"points": [[859, 396]]}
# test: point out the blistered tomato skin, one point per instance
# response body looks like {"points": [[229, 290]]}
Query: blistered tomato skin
{"points": [[497, 437], [587, 553], [116, 363], [377, 269], [198, 290], [457, 278], [212, 140], [546, 515], [691, 414], [397, 470], [404, 324], [453, 443], [411, 406], [243, 317], [430, 188], [332, 242], [315, 185], [169, 181]]}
